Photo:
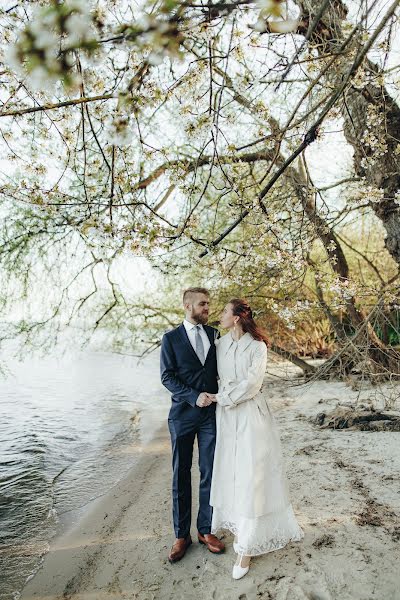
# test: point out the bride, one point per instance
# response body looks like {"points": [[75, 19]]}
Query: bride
{"points": [[249, 490]]}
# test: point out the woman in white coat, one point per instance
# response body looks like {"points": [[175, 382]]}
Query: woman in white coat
{"points": [[249, 490]]}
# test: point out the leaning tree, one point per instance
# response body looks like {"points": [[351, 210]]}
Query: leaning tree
{"points": [[182, 132]]}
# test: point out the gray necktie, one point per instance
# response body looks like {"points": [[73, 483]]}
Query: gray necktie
{"points": [[199, 345]]}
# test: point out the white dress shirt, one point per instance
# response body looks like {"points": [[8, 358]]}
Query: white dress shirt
{"points": [[191, 332]]}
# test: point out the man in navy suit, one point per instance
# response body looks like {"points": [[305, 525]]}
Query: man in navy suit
{"points": [[189, 371]]}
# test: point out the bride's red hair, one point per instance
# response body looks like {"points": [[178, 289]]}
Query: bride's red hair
{"points": [[242, 309]]}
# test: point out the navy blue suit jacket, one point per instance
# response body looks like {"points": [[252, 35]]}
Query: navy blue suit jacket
{"points": [[185, 377]]}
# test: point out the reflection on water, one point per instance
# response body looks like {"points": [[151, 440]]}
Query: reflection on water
{"points": [[66, 429]]}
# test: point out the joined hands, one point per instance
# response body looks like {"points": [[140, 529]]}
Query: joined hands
{"points": [[205, 399]]}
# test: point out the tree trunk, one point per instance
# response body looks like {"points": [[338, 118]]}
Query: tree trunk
{"points": [[296, 360], [376, 150]]}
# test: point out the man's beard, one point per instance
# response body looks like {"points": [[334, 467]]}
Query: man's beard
{"points": [[201, 318]]}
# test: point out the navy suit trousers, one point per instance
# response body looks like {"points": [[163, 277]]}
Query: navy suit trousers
{"points": [[182, 456]]}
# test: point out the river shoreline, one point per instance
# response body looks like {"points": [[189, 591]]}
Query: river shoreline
{"points": [[344, 490], [69, 431]]}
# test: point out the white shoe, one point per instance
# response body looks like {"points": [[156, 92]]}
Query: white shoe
{"points": [[238, 571]]}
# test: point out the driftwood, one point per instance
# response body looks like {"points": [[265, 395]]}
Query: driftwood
{"points": [[360, 419], [296, 360]]}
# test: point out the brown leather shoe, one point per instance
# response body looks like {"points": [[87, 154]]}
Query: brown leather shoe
{"points": [[179, 548], [213, 544]]}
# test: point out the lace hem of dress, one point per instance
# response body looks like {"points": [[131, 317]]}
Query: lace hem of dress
{"points": [[279, 537]]}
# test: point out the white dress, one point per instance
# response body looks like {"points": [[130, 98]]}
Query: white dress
{"points": [[249, 490]]}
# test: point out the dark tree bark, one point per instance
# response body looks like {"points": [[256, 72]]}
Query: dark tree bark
{"points": [[381, 170]]}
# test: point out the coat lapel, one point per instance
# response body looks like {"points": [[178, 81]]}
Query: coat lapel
{"points": [[186, 340], [210, 334], [245, 341], [242, 344]]}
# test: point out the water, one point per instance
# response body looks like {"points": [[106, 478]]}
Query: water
{"points": [[67, 427]]}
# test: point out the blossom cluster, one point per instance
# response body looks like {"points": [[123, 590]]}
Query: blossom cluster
{"points": [[361, 79], [157, 34], [143, 238], [342, 289], [369, 193], [118, 126], [45, 48], [286, 314], [373, 136], [119, 132], [273, 8]]}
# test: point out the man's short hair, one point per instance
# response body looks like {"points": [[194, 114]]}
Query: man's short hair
{"points": [[187, 294]]}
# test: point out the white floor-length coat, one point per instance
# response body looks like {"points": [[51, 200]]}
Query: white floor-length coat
{"points": [[249, 490]]}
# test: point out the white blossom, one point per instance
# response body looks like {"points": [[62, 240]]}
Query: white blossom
{"points": [[119, 131], [78, 27], [12, 59], [83, 6], [155, 58], [45, 38], [40, 79]]}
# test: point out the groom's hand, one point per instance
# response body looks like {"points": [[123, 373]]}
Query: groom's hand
{"points": [[204, 400], [212, 398]]}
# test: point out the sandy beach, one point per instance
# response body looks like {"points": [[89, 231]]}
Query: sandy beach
{"points": [[345, 490]]}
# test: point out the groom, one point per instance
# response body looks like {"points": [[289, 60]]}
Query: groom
{"points": [[189, 371]]}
